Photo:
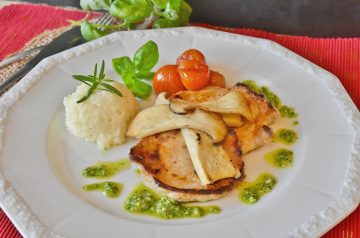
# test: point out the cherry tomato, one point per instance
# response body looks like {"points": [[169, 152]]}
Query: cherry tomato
{"points": [[167, 79], [191, 54], [216, 79], [194, 74]]}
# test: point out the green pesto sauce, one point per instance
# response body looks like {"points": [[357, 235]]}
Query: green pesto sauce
{"points": [[108, 189], [280, 158], [285, 111], [270, 96], [295, 123], [144, 201], [252, 85], [251, 192], [102, 170], [288, 112], [285, 136]]}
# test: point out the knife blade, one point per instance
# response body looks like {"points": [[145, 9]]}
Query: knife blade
{"points": [[65, 41]]}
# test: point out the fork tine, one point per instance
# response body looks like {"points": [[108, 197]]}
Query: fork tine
{"points": [[109, 20], [103, 18]]}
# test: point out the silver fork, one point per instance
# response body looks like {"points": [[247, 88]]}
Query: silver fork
{"points": [[66, 40], [105, 19]]}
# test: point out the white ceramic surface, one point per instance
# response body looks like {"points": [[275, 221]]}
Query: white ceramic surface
{"points": [[40, 181]]}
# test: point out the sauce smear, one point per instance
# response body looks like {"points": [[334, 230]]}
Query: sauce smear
{"points": [[285, 111], [103, 170], [251, 192], [288, 112], [146, 202], [285, 136], [280, 158], [108, 189]]}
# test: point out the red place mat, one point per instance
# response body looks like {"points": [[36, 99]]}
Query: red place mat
{"points": [[341, 56]]}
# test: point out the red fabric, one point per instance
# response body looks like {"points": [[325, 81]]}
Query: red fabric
{"points": [[19, 23], [341, 56]]}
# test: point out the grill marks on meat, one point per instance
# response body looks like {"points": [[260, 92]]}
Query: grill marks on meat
{"points": [[165, 161], [252, 136], [165, 157], [261, 109]]}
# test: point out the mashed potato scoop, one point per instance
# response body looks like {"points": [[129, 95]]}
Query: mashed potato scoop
{"points": [[103, 118]]}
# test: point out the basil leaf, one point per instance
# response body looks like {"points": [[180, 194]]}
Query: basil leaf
{"points": [[184, 14], [89, 5], [172, 10], [174, 5], [126, 69], [131, 10], [145, 75], [123, 65], [141, 89], [89, 32], [161, 4], [146, 57], [184, 17], [163, 23]]}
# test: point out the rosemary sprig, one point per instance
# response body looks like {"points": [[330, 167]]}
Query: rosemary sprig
{"points": [[96, 82]]}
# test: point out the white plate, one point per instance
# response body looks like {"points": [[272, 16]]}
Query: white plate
{"points": [[40, 182]]}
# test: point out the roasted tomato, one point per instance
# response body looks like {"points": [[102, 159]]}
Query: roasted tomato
{"points": [[191, 54], [194, 74], [167, 79], [216, 79]]}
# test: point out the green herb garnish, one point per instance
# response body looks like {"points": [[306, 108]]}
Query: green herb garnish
{"points": [[96, 82], [289, 112], [285, 111], [138, 14], [133, 71], [285, 136], [108, 188]]}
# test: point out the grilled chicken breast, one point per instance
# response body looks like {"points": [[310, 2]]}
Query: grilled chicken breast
{"points": [[165, 162]]}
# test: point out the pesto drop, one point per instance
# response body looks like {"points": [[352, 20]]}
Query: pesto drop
{"points": [[102, 170], [285, 136], [108, 189], [146, 202], [280, 158], [288, 112], [285, 111], [251, 192], [270, 96]]}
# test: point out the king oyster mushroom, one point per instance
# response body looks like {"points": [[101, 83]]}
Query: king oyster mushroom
{"points": [[232, 102], [160, 118]]}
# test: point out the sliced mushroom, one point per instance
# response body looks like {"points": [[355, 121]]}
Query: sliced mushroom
{"points": [[159, 118], [211, 162], [181, 107], [162, 99], [206, 94], [232, 102], [232, 119]]}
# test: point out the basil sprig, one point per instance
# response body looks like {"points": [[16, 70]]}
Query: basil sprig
{"points": [[135, 13], [96, 82], [133, 71]]}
